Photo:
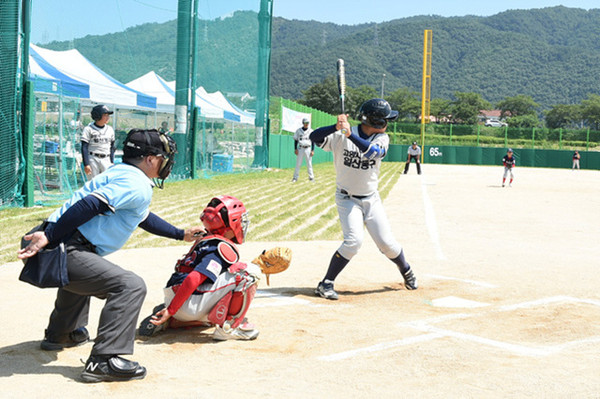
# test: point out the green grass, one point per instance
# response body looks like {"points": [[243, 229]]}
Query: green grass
{"points": [[279, 210]]}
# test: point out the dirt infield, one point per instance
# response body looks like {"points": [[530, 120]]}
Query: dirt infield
{"points": [[508, 306]]}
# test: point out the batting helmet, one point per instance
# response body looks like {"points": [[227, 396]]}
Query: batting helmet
{"points": [[224, 213], [100, 110], [140, 142], [376, 112]]}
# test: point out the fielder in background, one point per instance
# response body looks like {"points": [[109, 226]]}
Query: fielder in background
{"points": [[509, 163], [414, 152], [96, 221], [304, 148], [98, 142], [357, 154], [576, 158], [210, 286]]}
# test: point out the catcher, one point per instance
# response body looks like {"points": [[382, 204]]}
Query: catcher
{"points": [[210, 287]]}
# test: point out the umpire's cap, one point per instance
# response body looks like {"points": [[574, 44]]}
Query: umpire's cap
{"points": [[100, 110], [140, 142]]}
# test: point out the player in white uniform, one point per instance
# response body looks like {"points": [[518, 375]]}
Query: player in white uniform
{"points": [[414, 152], [357, 155], [98, 142], [304, 149]]}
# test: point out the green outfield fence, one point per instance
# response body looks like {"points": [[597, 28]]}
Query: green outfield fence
{"points": [[480, 135], [474, 145]]}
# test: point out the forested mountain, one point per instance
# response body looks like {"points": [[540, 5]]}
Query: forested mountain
{"points": [[550, 54]]}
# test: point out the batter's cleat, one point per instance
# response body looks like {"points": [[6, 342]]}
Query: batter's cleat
{"points": [[243, 332], [110, 368], [75, 338], [294, 180], [147, 329], [325, 290], [410, 281]]}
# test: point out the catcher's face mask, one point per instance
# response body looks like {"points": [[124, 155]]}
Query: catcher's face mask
{"points": [[225, 213], [168, 159]]}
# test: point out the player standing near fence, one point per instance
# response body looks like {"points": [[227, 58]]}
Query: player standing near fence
{"points": [[357, 154], [509, 163], [98, 142], [414, 152], [576, 158], [304, 149]]}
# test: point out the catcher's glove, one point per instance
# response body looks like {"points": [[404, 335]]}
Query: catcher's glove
{"points": [[274, 260]]}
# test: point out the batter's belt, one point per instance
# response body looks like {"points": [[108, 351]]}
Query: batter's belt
{"points": [[354, 196]]}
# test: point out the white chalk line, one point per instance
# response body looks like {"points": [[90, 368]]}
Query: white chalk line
{"points": [[431, 223], [380, 347], [432, 332], [264, 299], [472, 282]]}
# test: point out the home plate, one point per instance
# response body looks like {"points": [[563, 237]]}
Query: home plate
{"points": [[455, 302]]}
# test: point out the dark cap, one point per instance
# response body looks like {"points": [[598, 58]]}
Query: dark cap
{"points": [[100, 110], [140, 142], [414, 143], [305, 120]]}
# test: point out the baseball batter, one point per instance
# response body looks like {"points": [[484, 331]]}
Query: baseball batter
{"points": [[357, 154], [98, 142], [304, 149], [414, 152], [509, 163]]}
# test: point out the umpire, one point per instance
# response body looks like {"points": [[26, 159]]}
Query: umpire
{"points": [[414, 152], [97, 220]]}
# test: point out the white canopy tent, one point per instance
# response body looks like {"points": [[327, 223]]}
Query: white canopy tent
{"points": [[71, 68], [212, 105]]}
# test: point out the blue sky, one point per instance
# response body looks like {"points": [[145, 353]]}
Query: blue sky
{"points": [[69, 19]]}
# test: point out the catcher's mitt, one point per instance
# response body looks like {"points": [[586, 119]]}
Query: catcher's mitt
{"points": [[274, 260]]}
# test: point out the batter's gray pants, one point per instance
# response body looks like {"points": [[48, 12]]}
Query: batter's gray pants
{"points": [[92, 275], [356, 213]]}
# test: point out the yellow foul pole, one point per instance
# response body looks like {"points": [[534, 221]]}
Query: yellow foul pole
{"points": [[426, 93]]}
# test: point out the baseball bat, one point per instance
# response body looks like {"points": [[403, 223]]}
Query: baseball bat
{"points": [[341, 80]]}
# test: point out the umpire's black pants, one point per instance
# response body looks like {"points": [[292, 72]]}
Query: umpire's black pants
{"points": [[92, 275]]}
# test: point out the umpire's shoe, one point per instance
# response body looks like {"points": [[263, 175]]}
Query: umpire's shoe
{"points": [[325, 290], [99, 368], [410, 281], [57, 343]]}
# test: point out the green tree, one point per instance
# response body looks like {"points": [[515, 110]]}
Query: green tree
{"points": [[563, 115], [517, 106], [590, 110], [466, 107], [440, 108], [406, 102], [525, 121], [323, 96]]}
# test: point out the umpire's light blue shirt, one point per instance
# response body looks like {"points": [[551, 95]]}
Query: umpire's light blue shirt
{"points": [[128, 192]]}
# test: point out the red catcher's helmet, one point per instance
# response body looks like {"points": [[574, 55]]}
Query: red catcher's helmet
{"points": [[224, 213]]}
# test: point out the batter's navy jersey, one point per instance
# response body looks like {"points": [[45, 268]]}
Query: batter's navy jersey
{"points": [[355, 173]]}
